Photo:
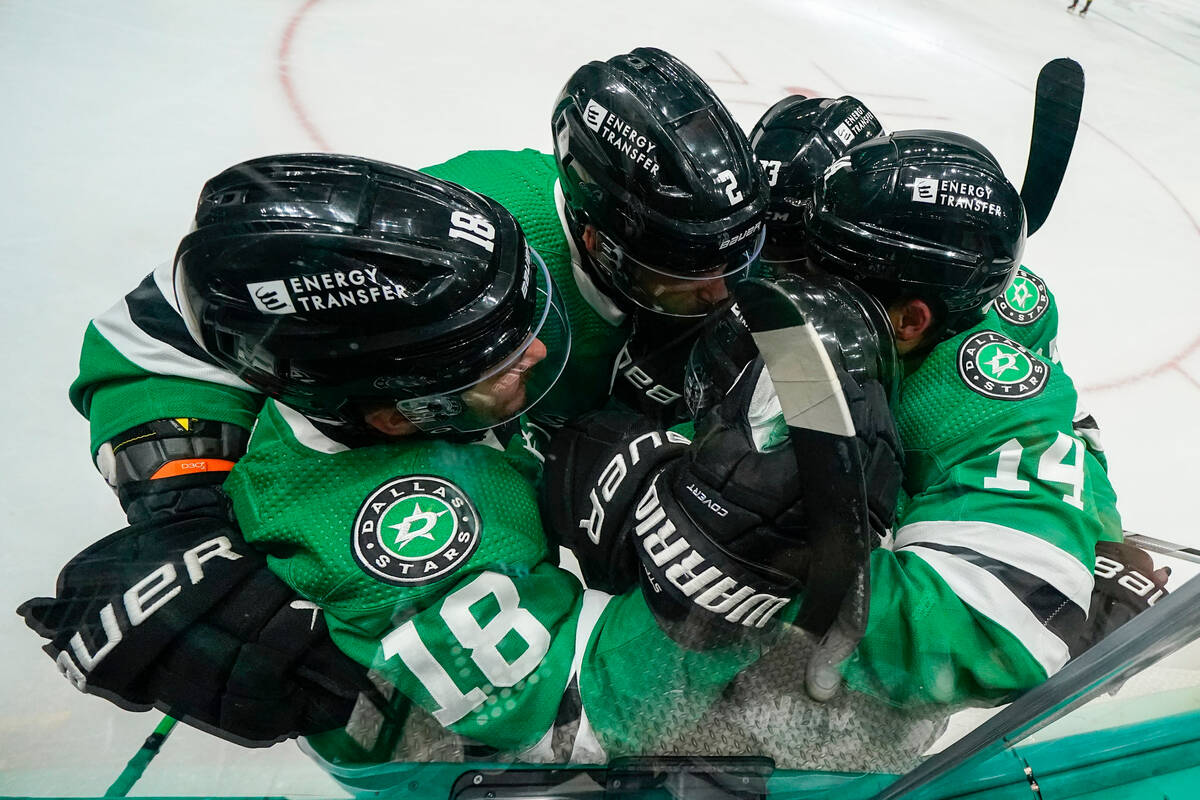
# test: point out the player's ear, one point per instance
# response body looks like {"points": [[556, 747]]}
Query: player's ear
{"points": [[589, 239], [387, 420], [911, 319]]}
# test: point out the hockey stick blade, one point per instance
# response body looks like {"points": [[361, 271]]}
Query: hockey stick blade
{"points": [[821, 432], [1056, 112]]}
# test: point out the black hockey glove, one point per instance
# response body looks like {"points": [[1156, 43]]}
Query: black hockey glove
{"points": [[595, 468], [720, 533], [187, 618], [1126, 585], [172, 467]]}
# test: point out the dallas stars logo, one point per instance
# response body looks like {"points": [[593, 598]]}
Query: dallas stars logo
{"points": [[427, 520], [997, 367], [414, 530], [1025, 300]]}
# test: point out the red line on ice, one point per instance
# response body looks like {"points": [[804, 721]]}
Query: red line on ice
{"points": [[1174, 361], [285, 78]]}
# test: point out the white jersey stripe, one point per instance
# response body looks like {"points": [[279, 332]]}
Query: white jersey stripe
{"points": [[155, 356], [306, 433], [1011, 546], [164, 279], [988, 595], [587, 748]]}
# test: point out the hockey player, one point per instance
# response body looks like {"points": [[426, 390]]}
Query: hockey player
{"points": [[802, 138], [629, 172], [1004, 507], [799, 138], [796, 140], [652, 202], [401, 325]]}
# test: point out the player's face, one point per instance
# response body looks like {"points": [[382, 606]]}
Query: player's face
{"points": [[682, 296], [502, 396]]}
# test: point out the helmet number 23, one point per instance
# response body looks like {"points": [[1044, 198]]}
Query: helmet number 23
{"points": [[510, 623], [731, 191], [474, 228]]}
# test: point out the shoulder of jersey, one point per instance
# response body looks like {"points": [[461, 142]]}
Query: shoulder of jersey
{"points": [[1025, 301], [972, 383], [996, 367]]}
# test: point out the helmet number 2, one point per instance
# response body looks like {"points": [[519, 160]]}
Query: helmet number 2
{"points": [[474, 228], [731, 191]]}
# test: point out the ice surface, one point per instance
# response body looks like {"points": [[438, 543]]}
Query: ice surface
{"points": [[116, 112]]}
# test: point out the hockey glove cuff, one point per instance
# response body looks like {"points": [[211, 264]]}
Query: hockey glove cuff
{"points": [[172, 467], [1126, 585]]}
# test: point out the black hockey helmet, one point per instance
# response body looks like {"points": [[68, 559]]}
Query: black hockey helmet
{"points": [[796, 141], [336, 283], [649, 157], [852, 326], [920, 213]]}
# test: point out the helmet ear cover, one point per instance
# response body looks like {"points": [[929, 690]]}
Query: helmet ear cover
{"points": [[335, 284]]}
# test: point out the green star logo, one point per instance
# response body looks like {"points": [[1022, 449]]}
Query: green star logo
{"points": [[1004, 363], [414, 530], [418, 525], [997, 367], [1025, 300]]}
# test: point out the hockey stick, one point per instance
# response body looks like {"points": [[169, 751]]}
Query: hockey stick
{"points": [[1179, 551], [1056, 112], [141, 759], [821, 431]]}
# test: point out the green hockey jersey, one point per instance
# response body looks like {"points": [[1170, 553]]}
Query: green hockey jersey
{"points": [[430, 563], [138, 362], [994, 548]]}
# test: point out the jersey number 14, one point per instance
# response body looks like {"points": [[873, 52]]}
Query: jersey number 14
{"points": [[1056, 465]]}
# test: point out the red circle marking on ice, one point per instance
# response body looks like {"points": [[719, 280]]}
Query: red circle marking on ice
{"points": [[285, 78], [1172, 363]]}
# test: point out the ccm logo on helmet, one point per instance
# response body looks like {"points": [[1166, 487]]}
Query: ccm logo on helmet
{"points": [[139, 603]]}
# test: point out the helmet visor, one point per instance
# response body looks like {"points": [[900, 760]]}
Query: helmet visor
{"points": [[852, 326], [716, 360], [673, 291], [514, 385]]}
